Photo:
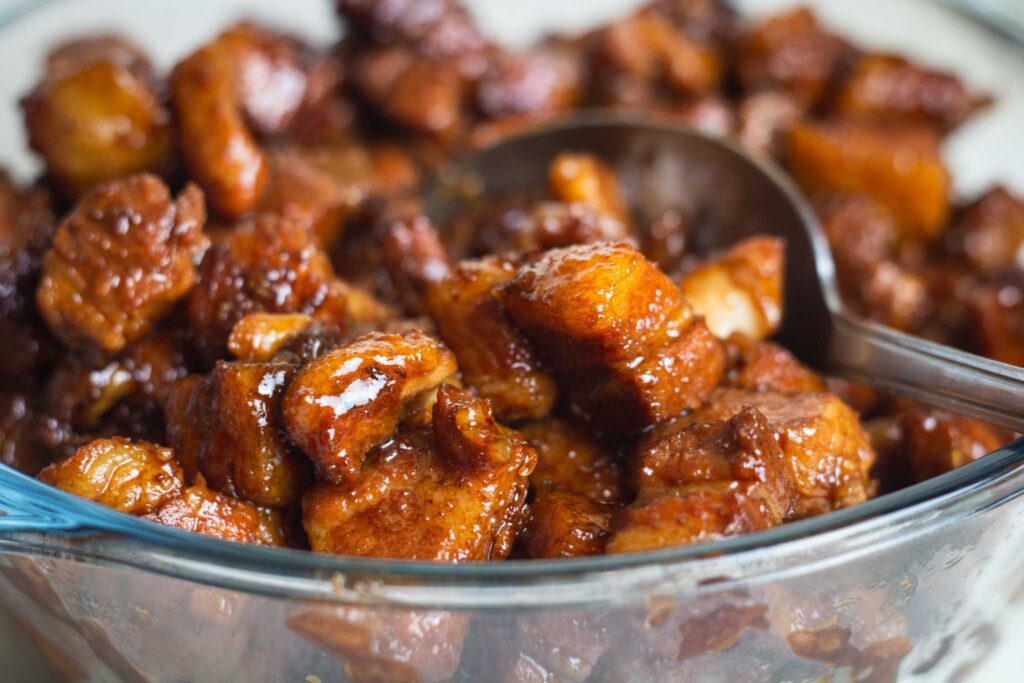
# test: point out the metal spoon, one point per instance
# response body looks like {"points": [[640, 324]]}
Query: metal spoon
{"points": [[667, 167]]}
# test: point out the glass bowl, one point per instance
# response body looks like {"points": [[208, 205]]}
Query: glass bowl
{"points": [[926, 583]]}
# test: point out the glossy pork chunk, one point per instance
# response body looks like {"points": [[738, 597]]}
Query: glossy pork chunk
{"points": [[227, 311], [619, 333], [144, 480], [452, 492], [119, 262]]}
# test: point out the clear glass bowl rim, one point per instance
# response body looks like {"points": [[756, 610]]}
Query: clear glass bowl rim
{"points": [[63, 524]]}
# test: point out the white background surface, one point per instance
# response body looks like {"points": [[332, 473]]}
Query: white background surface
{"points": [[990, 149]]}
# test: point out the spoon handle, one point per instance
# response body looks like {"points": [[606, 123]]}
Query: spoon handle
{"points": [[931, 373]]}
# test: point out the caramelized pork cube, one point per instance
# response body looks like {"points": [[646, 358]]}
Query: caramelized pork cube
{"points": [[936, 442], [231, 429], [740, 291], [268, 264], [137, 478], [98, 114], [538, 82], [246, 82], [791, 52], [706, 481], [637, 56], [569, 459], [996, 315], [705, 513], [324, 185], [202, 511], [547, 225], [618, 332], [864, 238], [764, 366], [900, 168], [566, 524], [436, 29], [454, 492], [258, 336], [989, 234], [420, 96], [585, 179], [26, 228], [887, 89], [81, 393], [494, 357], [352, 398], [120, 261], [827, 451], [414, 257], [742, 448]]}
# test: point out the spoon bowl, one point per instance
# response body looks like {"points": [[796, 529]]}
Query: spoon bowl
{"points": [[665, 167]]}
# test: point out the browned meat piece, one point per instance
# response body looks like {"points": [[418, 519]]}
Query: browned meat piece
{"points": [[989, 234], [258, 336], [352, 398], [936, 442], [202, 511], [827, 451], [706, 481], [247, 82], [741, 449], [414, 257], [324, 185], [436, 29], [546, 225], [97, 114], [566, 524], [619, 333], [569, 459], [791, 52], [137, 478], [230, 429], [889, 89], [860, 231], [707, 513], [493, 356], [26, 228], [82, 393], [30, 439], [864, 239], [996, 314], [900, 168], [764, 366], [584, 179], [421, 96], [453, 493], [120, 261], [764, 118], [741, 290], [538, 82], [636, 57], [269, 263]]}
